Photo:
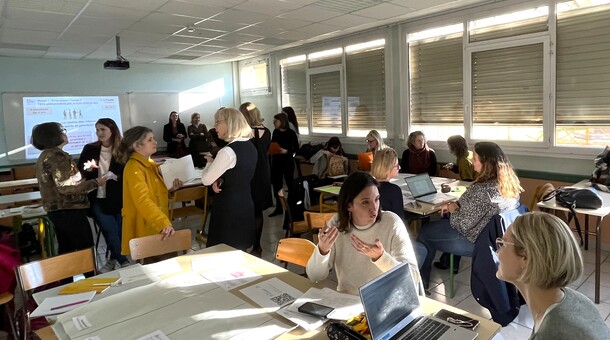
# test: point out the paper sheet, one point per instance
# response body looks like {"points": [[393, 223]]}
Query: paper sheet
{"points": [[230, 277], [62, 303], [272, 294], [212, 261], [181, 168]]}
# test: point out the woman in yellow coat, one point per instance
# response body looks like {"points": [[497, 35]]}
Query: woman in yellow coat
{"points": [[145, 197]]}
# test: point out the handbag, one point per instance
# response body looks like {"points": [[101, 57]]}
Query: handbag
{"points": [[340, 331], [585, 198]]}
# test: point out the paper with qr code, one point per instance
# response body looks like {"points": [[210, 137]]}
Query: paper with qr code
{"points": [[272, 294]]}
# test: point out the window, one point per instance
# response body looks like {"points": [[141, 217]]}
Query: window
{"points": [[339, 91], [254, 77], [436, 86], [582, 107]]}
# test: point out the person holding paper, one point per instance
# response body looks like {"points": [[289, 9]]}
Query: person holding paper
{"points": [[230, 175], [145, 196], [62, 188], [102, 159], [282, 159], [174, 133]]}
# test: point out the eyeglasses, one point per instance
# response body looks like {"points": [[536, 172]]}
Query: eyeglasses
{"points": [[218, 122], [369, 140], [397, 166], [500, 243]]}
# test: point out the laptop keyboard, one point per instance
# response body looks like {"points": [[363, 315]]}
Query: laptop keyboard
{"points": [[428, 329]]}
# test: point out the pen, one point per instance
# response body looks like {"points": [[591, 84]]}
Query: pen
{"points": [[69, 305], [101, 284]]}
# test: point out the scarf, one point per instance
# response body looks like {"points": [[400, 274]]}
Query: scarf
{"points": [[419, 160]]}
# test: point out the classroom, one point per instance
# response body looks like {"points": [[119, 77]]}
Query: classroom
{"points": [[531, 76]]}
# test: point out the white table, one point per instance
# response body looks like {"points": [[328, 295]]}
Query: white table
{"points": [[599, 214]]}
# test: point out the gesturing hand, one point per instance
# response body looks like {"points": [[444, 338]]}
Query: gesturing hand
{"points": [[374, 251], [326, 238], [167, 232]]}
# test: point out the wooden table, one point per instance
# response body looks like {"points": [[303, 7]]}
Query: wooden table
{"points": [[599, 215], [25, 198], [328, 190], [19, 183], [487, 328]]}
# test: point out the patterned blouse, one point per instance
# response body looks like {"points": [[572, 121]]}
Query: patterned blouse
{"points": [[477, 206]]}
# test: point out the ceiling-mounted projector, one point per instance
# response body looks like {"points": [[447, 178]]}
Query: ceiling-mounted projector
{"points": [[120, 63]]}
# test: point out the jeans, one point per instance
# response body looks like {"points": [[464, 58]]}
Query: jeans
{"points": [[439, 235], [111, 226], [420, 253]]}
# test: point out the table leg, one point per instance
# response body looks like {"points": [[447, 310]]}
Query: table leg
{"points": [[586, 233], [598, 257], [321, 203]]}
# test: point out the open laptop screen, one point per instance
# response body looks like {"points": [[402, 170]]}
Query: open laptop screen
{"points": [[389, 300], [420, 185]]}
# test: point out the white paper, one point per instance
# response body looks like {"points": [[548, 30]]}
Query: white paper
{"points": [[93, 338], [181, 168], [211, 261], [164, 267], [187, 279], [156, 335], [50, 305], [230, 277], [136, 273], [81, 322], [273, 294]]}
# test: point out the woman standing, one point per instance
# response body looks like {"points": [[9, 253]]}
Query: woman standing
{"points": [[385, 167], [463, 162], [361, 242], [174, 134], [418, 158], [495, 190], [97, 160], [62, 188], [539, 255], [145, 197], [293, 123], [261, 182], [282, 163], [198, 133], [230, 174]]}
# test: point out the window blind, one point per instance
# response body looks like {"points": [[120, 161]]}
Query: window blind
{"points": [[325, 92], [583, 67], [365, 80], [507, 85], [532, 25], [294, 92], [436, 81]]}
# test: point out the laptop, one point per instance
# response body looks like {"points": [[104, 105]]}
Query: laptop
{"points": [[423, 190], [393, 311]]}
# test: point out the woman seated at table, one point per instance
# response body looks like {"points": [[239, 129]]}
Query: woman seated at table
{"points": [[62, 188], [361, 241], [385, 167], [322, 159], [495, 190], [539, 255], [418, 158], [463, 158], [145, 197], [374, 142]]}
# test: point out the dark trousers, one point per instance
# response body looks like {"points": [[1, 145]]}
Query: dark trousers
{"points": [[72, 229], [282, 169]]}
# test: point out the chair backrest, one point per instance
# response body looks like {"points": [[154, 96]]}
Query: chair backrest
{"points": [[39, 273], [190, 193], [24, 172], [317, 221], [540, 192], [147, 246], [186, 195], [294, 250]]}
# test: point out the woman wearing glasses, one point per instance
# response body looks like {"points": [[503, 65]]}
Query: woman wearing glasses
{"points": [[495, 190], [385, 167], [62, 188], [539, 255], [418, 158], [374, 142]]}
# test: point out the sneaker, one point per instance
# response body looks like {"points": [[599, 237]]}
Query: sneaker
{"points": [[124, 264], [110, 266]]}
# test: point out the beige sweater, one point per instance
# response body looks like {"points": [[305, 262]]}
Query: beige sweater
{"points": [[355, 269]]}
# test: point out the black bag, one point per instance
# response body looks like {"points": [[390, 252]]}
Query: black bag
{"points": [[308, 150], [340, 331], [601, 173], [585, 198]]}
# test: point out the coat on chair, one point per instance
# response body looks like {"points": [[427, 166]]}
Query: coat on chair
{"points": [[501, 298]]}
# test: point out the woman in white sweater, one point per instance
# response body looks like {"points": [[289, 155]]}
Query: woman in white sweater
{"points": [[361, 242]]}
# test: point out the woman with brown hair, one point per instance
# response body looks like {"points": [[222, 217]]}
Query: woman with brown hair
{"points": [[174, 133], [418, 158], [282, 161]]}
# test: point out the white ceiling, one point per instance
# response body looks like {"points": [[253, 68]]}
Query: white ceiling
{"points": [[155, 31]]}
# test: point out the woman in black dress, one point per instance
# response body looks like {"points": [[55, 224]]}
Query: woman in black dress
{"points": [[174, 134], [261, 183], [198, 133], [230, 174], [282, 161]]}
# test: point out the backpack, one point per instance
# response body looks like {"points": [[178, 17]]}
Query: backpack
{"points": [[336, 166]]}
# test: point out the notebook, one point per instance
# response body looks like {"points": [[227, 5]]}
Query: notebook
{"points": [[423, 190], [393, 311]]}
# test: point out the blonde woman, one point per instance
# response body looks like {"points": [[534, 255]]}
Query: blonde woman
{"points": [[539, 255], [230, 174], [385, 167], [374, 142]]}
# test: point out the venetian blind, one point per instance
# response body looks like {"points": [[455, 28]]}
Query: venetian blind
{"points": [[325, 92], [294, 92]]}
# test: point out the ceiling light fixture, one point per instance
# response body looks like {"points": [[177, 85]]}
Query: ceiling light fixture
{"points": [[190, 29]]}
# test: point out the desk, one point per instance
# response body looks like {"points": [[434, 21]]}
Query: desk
{"points": [[19, 183], [599, 214], [487, 328], [330, 190], [24, 198]]}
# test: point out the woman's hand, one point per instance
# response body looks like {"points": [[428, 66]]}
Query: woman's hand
{"points": [[180, 136], [101, 180], [208, 157], [326, 238], [283, 151], [167, 232], [449, 208], [448, 166], [177, 184], [216, 186], [374, 251]]}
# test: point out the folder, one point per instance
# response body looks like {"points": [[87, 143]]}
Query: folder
{"points": [[96, 284]]}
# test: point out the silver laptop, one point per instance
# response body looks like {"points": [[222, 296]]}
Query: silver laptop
{"points": [[423, 190], [393, 311]]}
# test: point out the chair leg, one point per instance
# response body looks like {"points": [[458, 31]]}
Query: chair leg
{"points": [[451, 277]]}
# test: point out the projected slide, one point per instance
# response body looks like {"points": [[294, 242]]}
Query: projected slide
{"points": [[77, 115]]}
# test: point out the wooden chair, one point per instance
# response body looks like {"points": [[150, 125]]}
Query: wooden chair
{"points": [[154, 245], [39, 273], [295, 228], [6, 300], [316, 221], [294, 250], [184, 195]]}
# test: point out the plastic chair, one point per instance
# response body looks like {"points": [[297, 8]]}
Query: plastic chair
{"points": [[316, 221], [295, 228], [39, 273], [154, 245], [294, 250]]}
